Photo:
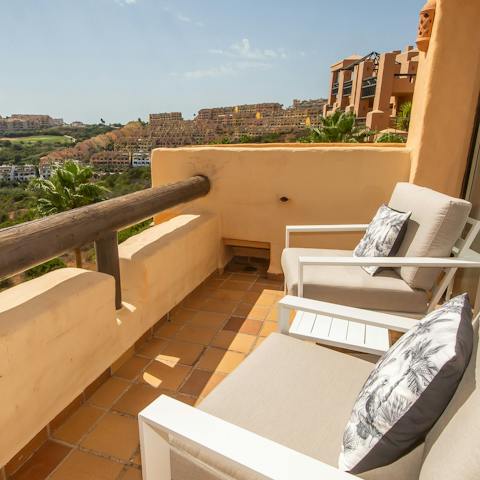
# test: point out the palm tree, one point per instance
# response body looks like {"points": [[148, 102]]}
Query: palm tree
{"points": [[403, 117], [340, 127], [69, 187]]}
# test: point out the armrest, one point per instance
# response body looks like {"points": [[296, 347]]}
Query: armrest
{"points": [[450, 262], [321, 229], [368, 317], [166, 416]]}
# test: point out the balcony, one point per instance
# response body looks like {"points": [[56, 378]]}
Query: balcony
{"points": [[335, 89], [166, 322], [160, 319], [347, 88], [404, 83], [176, 308], [369, 87]]}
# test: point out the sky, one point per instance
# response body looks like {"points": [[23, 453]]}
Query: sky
{"points": [[123, 59]]}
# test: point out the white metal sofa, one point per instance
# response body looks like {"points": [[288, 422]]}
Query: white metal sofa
{"points": [[434, 232], [281, 415]]}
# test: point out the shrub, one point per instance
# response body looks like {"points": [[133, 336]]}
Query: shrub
{"points": [[133, 230], [46, 267], [391, 138]]}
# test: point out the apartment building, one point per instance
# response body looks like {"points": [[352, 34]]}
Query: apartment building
{"points": [[374, 86], [234, 122], [109, 161], [78, 124], [24, 122], [5, 173], [17, 173], [47, 169], [141, 158]]}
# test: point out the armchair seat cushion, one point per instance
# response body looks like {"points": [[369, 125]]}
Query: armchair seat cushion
{"points": [[351, 285], [287, 391]]}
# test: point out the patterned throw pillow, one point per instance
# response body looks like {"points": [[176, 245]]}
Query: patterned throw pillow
{"points": [[409, 388], [384, 235]]}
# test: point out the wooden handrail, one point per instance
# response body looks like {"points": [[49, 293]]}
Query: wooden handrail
{"points": [[31, 243]]}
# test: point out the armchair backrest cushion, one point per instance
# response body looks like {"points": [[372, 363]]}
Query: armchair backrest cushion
{"points": [[435, 224], [452, 447]]}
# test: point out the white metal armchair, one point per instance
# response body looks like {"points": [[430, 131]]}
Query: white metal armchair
{"points": [[281, 414], [167, 418], [412, 283]]}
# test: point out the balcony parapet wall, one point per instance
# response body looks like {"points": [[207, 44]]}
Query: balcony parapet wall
{"points": [[322, 184], [61, 331]]}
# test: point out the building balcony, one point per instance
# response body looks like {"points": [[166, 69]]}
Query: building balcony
{"points": [[369, 87], [196, 294], [172, 323], [404, 83], [347, 88], [175, 308]]}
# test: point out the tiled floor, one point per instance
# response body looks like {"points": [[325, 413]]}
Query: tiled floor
{"points": [[206, 337]]}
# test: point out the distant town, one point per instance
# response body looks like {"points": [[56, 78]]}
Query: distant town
{"points": [[130, 145], [373, 88]]}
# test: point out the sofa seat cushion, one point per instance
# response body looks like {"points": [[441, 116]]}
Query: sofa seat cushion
{"points": [[351, 285], [287, 392], [435, 224]]}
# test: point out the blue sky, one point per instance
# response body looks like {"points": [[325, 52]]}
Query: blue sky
{"points": [[123, 59]]}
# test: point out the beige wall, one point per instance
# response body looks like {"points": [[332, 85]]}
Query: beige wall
{"points": [[324, 185], [445, 98], [57, 334], [162, 265]]}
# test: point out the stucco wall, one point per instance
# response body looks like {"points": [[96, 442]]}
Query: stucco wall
{"points": [[160, 266], [57, 334], [445, 99], [324, 185]]}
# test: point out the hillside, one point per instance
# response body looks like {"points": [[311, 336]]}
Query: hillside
{"points": [[20, 148]]}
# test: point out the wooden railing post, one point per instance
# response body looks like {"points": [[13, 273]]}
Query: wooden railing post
{"points": [[31, 243], [106, 251]]}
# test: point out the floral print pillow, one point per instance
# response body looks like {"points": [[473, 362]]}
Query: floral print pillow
{"points": [[384, 235], [409, 388]]}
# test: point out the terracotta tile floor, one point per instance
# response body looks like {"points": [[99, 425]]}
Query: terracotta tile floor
{"points": [[206, 337]]}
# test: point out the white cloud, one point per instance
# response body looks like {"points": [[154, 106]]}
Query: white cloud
{"points": [[184, 18], [243, 49], [126, 2], [227, 69], [181, 17], [219, 71], [241, 56]]}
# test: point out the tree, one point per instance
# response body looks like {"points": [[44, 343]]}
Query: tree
{"points": [[403, 117], [69, 187], [339, 127]]}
